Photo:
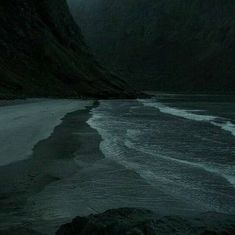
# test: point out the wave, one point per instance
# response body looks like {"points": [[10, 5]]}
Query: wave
{"points": [[225, 172], [188, 114], [124, 142], [178, 112], [112, 149], [227, 126]]}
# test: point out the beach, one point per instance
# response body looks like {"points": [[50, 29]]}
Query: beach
{"points": [[109, 154]]}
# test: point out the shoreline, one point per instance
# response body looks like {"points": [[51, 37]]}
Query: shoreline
{"points": [[67, 176], [23, 125], [50, 162]]}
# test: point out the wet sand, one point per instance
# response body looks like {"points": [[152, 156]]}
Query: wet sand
{"points": [[52, 160], [23, 125]]}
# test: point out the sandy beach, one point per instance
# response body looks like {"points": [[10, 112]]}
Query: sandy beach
{"points": [[35, 152], [24, 123]]}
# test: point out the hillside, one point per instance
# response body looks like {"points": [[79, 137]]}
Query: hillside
{"points": [[170, 45], [43, 54]]}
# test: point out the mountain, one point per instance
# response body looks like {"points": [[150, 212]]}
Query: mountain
{"points": [[43, 54], [169, 45]]}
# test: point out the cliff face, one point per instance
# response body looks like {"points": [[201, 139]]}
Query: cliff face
{"points": [[164, 44], [43, 54]]}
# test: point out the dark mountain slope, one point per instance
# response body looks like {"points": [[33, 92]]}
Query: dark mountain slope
{"points": [[43, 54], [176, 45]]}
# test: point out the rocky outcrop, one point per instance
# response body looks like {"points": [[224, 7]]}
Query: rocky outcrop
{"points": [[127, 221], [43, 54], [163, 44]]}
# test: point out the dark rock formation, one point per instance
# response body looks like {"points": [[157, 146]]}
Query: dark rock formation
{"points": [[127, 221], [173, 45], [42, 53]]}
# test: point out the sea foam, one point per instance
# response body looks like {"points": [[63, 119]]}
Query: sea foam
{"points": [[221, 122]]}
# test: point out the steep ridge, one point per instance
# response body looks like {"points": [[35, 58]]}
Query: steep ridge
{"points": [[43, 54], [166, 45]]}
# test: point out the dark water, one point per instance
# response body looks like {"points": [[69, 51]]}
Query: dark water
{"points": [[183, 146]]}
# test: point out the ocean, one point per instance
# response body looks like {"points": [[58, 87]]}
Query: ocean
{"points": [[181, 145]]}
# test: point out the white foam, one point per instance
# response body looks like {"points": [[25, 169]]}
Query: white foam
{"points": [[188, 114], [227, 126], [178, 112]]}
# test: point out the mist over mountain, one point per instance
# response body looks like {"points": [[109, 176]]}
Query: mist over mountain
{"points": [[170, 45], [43, 54]]}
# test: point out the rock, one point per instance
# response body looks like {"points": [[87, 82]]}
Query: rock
{"points": [[130, 221]]}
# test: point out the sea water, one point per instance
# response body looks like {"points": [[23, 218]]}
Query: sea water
{"points": [[182, 145]]}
